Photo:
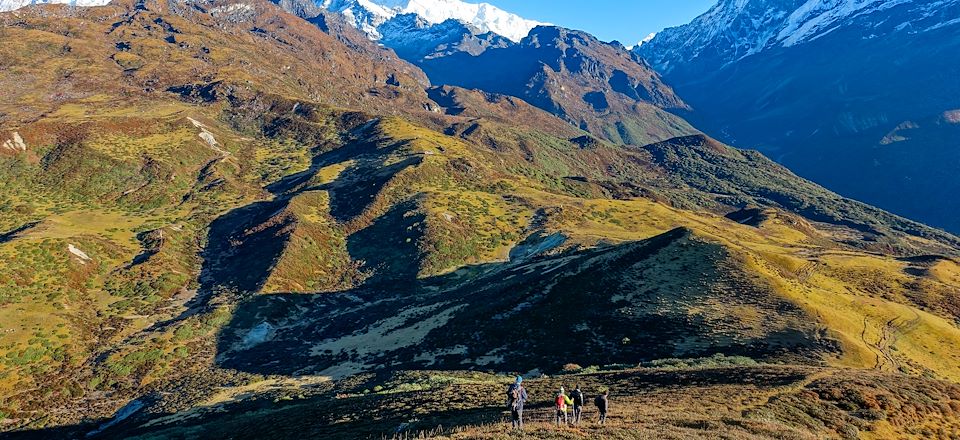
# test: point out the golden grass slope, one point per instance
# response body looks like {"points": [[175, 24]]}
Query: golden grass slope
{"points": [[134, 175]]}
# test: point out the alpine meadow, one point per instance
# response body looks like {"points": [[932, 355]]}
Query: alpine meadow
{"points": [[413, 219]]}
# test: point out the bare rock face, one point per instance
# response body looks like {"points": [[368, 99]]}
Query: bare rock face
{"points": [[599, 87]]}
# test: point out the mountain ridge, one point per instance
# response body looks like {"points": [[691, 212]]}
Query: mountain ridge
{"points": [[226, 219], [825, 116], [750, 27]]}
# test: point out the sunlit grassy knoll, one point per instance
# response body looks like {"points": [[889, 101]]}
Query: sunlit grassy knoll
{"points": [[273, 160], [118, 227], [875, 333], [491, 222], [315, 257], [106, 107], [422, 140], [330, 173], [946, 271]]}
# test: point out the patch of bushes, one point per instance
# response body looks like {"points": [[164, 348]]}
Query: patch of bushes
{"points": [[715, 361]]}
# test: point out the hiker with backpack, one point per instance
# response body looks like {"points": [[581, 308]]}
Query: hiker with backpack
{"points": [[516, 396], [578, 398], [561, 402], [602, 402]]}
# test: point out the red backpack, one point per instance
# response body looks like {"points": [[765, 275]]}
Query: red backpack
{"points": [[560, 401]]}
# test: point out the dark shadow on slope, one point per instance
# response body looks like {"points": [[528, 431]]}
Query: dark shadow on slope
{"points": [[151, 242], [244, 245], [296, 181], [357, 187], [602, 306], [447, 99], [390, 246], [13, 234]]}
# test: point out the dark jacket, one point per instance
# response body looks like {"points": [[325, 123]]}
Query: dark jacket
{"points": [[601, 402], [577, 397], [523, 394]]}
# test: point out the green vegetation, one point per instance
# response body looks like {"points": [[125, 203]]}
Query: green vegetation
{"points": [[196, 227]]}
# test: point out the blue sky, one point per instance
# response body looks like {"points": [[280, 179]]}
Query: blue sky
{"points": [[625, 20]]}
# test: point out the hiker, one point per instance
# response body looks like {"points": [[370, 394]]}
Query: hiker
{"points": [[516, 396], [562, 401], [602, 403], [578, 399]]}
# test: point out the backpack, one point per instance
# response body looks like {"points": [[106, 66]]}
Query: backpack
{"points": [[577, 397], [513, 396], [561, 404], [601, 403]]}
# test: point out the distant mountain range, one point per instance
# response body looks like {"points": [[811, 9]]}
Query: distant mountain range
{"points": [[857, 95], [267, 219], [872, 121], [761, 74], [10, 5], [376, 17], [371, 16]]}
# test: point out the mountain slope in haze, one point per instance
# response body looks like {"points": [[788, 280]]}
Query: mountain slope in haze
{"points": [[413, 38], [600, 88], [768, 75], [197, 232], [596, 86]]}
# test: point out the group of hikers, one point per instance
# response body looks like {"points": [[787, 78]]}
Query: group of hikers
{"points": [[517, 397]]}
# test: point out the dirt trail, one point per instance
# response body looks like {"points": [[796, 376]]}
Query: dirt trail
{"points": [[807, 270], [793, 388], [889, 335]]}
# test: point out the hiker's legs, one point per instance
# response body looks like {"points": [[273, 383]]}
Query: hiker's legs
{"points": [[603, 418], [520, 417], [577, 413]]}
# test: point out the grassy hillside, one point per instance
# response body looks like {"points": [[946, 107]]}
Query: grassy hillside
{"points": [[705, 398], [173, 241]]}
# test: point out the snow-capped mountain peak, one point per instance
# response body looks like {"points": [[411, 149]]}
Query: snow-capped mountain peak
{"points": [[10, 5], [818, 16], [734, 29], [645, 40], [368, 15]]}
